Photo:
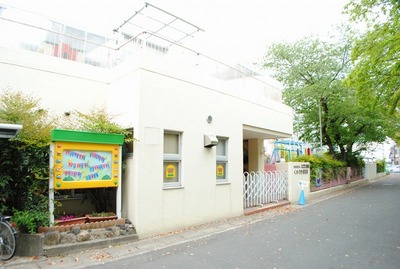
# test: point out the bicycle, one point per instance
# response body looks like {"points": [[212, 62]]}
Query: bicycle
{"points": [[8, 239]]}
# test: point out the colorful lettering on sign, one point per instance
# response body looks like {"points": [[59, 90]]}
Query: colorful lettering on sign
{"points": [[76, 154], [170, 171], [79, 165], [76, 165], [220, 171], [97, 156]]}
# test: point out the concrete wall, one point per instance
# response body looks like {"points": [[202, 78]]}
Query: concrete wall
{"points": [[296, 172], [370, 171]]}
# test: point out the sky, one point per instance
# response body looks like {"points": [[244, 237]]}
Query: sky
{"points": [[242, 29]]}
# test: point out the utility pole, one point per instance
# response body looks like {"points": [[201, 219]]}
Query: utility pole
{"points": [[320, 126]]}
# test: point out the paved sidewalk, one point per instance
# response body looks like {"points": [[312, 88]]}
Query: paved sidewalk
{"points": [[86, 258]]}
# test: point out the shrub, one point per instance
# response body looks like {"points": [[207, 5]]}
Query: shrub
{"points": [[28, 221], [24, 160], [326, 162], [380, 166]]}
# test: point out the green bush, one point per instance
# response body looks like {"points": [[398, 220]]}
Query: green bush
{"points": [[24, 160], [380, 166], [326, 162], [28, 221]]}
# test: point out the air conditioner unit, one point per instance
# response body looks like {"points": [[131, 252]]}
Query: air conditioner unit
{"points": [[9, 130]]}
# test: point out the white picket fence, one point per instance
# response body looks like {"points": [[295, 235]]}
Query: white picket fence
{"points": [[264, 187]]}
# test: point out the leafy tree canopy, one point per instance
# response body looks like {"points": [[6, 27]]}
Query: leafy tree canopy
{"points": [[97, 120], [19, 108], [312, 72], [376, 54]]}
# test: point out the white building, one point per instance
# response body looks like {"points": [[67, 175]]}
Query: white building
{"points": [[174, 98]]}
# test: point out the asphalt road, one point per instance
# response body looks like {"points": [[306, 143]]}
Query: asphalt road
{"points": [[358, 229]]}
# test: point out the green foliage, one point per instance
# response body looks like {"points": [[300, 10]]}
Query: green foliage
{"points": [[325, 162], [102, 214], [380, 166], [98, 120], [376, 55], [16, 107], [312, 72], [24, 160], [28, 221]]}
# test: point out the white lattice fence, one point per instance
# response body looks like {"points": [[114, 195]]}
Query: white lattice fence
{"points": [[264, 187]]}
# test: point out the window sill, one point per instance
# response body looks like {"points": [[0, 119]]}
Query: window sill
{"points": [[223, 182], [172, 187]]}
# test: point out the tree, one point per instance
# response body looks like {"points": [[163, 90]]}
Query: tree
{"points": [[312, 72], [24, 161], [376, 55]]}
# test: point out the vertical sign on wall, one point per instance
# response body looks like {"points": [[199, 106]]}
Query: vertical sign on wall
{"points": [[170, 171], [220, 170]]}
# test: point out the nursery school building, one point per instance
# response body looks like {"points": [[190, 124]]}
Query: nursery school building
{"points": [[199, 124]]}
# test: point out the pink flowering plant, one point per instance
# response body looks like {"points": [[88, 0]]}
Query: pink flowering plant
{"points": [[67, 217]]}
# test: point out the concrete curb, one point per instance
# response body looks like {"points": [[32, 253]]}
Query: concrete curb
{"points": [[52, 251]]}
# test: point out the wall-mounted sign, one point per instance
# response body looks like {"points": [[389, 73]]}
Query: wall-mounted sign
{"points": [[302, 183], [170, 171], [85, 160], [220, 170], [300, 171]]}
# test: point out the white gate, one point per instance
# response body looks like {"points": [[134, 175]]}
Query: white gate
{"points": [[264, 187]]}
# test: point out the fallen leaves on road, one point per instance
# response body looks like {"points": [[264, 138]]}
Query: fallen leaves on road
{"points": [[101, 256]]}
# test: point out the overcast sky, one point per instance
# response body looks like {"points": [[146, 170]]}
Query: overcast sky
{"points": [[241, 28]]}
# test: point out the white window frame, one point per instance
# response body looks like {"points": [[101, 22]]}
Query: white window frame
{"points": [[173, 158], [222, 159]]}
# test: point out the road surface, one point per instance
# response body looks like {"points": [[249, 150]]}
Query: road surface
{"points": [[358, 229]]}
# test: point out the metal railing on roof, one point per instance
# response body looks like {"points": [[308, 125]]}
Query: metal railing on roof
{"points": [[72, 44]]}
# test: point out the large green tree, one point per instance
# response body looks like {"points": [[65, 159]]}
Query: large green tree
{"points": [[312, 72], [376, 55]]}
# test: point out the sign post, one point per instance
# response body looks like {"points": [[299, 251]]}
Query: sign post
{"points": [[81, 160]]}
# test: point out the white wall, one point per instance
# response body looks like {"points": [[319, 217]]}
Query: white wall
{"points": [[161, 98], [60, 84], [370, 171]]}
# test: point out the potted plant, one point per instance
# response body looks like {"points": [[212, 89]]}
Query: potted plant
{"points": [[70, 220], [102, 216]]}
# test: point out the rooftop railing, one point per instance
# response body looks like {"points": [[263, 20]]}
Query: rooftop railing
{"points": [[59, 40]]}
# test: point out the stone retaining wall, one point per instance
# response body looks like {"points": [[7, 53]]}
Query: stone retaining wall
{"points": [[73, 236]]}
